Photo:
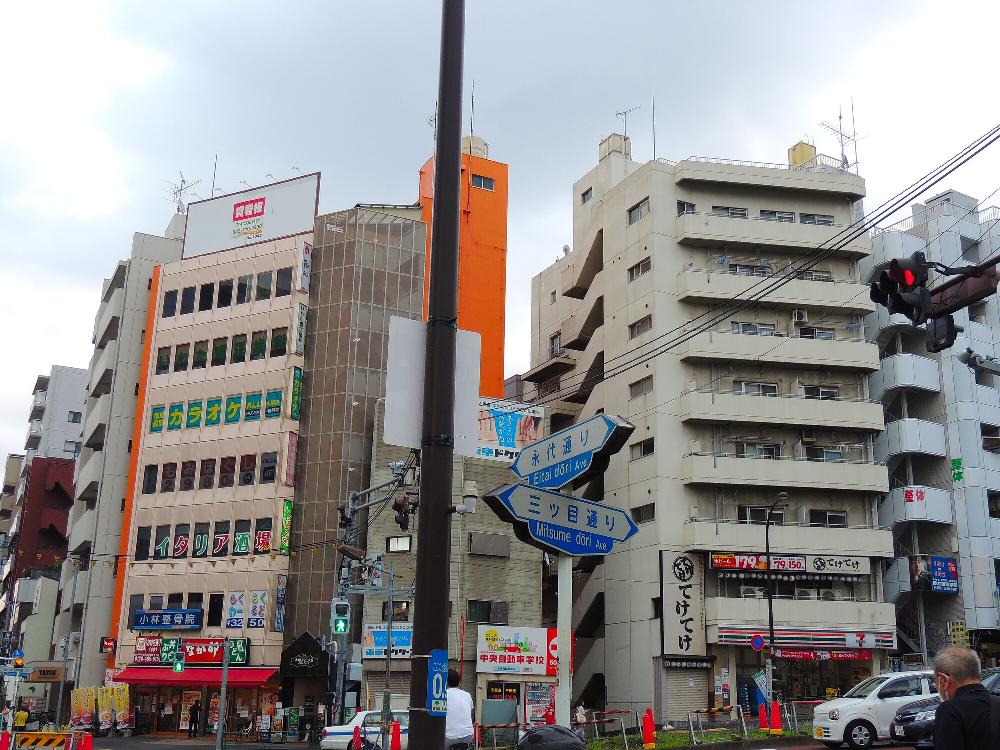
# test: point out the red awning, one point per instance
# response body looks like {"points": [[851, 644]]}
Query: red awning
{"points": [[196, 676]]}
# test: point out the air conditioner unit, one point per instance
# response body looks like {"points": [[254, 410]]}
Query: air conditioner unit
{"points": [[809, 435], [752, 592], [800, 315], [829, 595], [806, 594]]}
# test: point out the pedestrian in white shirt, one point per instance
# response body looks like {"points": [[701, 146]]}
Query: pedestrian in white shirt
{"points": [[458, 727]]}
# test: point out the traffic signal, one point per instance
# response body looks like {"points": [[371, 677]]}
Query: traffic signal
{"points": [[178, 665], [903, 288], [18, 662], [340, 617], [402, 507], [941, 333]]}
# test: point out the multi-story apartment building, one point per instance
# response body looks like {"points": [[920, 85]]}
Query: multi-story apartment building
{"points": [[87, 583], [204, 552], [11, 475], [945, 516], [55, 421], [731, 406]]}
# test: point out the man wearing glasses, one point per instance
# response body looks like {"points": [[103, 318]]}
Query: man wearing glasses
{"points": [[969, 719]]}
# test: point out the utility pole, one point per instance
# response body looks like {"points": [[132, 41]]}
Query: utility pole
{"points": [[433, 574], [387, 692], [781, 499], [220, 725], [69, 635]]}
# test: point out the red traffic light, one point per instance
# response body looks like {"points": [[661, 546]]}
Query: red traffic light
{"points": [[909, 272], [908, 278]]}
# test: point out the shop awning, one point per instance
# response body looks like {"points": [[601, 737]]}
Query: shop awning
{"points": [[197, 676]]}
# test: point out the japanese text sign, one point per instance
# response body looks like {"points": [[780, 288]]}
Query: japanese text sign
{"points": [[682, 597], [517, 650], [167, 619]]}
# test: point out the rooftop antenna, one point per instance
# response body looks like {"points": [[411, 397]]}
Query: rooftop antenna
{"points": [[178, 191], [432, 121], [654, 125], [844, 138], [296, 169], [268, 174], [624, 115], [215, 168], [249, 186]]}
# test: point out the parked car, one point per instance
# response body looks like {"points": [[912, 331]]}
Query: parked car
{"points": [[914, 722], [863, 714], [339, 737]]}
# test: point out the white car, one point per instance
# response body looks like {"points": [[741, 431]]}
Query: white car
{"points": [[864, 713], [339, 737]]}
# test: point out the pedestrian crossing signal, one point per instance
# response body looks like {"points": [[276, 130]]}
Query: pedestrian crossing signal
{"points": [[341, 619], [179, 662]]}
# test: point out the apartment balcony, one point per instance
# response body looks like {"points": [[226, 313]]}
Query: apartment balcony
{"points": [[713, 407], [26, 590], [34, 437], [109, 318], [880, 326], [588, 373], [798, 613], [896, 581], [794, 351], [822, 175], [95, 426], [786, 471], [82, 577], [708, 229], [81, 534], [37, 404], [102, 369], [910, 436], [909, 371], [710, 534], [915, 503], [579, 271], [718, 285], [559, 361], [88, 476], [578, 328]]}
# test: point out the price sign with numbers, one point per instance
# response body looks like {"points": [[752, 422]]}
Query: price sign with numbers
{"points": [[437, 682]]}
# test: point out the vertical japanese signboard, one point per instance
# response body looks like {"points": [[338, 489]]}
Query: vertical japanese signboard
{"points": [[682, 594]]}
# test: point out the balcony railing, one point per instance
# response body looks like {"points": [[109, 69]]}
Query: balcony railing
{"points": [[784, 524], [818, 161]]}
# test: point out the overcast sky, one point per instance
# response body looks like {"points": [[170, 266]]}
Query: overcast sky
{"points": [[105, 102]]}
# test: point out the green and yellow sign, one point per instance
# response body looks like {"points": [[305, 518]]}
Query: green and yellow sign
{"points": [[156, 417], [234, 405], [195, 413], [252, 411], [272, 405], [295, 402], [284, 541], [175, 417], [213, 412]]}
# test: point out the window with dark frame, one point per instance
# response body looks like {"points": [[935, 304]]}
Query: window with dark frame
{"points": [[168, 477], [161, 542], [169, 304], [182, 353], [279, 342], [757, 515], [238, 353], [200, 355], [241, 537], [263, 291], [214, 618], [162, 361], [283, 282], [262, 535], [642, 449], [248, 469], [135, 602], [221, 539], [143, 538], [683, 207], [225, 297], [638, 211], [182, 540], [155, 602], [485, 611], [187, 300], [644, 513], [206, 480], [206, 297], [189, 475], [400, 611], [227, 471], [243, 287], [175, 600], [258, 345], [587, 196], [196, 600], [219, 350], [641, 268], [201, 542], [483, 182], [149, 477], [268, 467]]}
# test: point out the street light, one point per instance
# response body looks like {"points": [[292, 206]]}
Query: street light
{"points": [[781, 499]]}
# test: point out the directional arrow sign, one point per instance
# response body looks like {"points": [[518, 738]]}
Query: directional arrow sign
{"points": [[570, 454], [556, 522]]}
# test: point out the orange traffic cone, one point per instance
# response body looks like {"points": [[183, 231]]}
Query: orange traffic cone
{"points": [[356, 740], [775, 718], [762, 724], [5, 740], [88, 742], [648, 730], [395, 742]]}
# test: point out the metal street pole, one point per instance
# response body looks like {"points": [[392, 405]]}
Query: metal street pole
{"points": [[220, 725], [433, 579], [69, 635], [781, 499], [564, 638], [387, 692]]}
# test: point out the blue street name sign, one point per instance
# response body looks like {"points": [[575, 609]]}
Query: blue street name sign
{"points": [[572, 453], [18, 654], [561, 523], [437, 682], [19, 673]]}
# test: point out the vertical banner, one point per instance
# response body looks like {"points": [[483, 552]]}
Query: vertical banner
{"points": [[682, 597], [123, 718], [289, 457], [75, 702], [295, 394], [213, 709], [235, 613], [258, 610], [105, 708], [285, 538], [87, 709], [305, 267], [299, 345], [279, 602]]}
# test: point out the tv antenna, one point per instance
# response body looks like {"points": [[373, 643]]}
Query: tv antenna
{"points": [[624, 116], [179, 190], [844, 138]]}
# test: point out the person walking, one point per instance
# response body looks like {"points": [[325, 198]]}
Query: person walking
{"points": [[969, 717], [458, 729], [194, 718]]}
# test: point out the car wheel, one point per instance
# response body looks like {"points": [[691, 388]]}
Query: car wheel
{"points": [[860, 734]]}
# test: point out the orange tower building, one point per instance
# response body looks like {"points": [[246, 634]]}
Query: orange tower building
{"points": [[482, 263]]}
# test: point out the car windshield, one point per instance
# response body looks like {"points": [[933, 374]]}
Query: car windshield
{"points": [[992, 682], [866, 688]]}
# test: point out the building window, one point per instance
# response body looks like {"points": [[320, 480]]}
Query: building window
{"points": [[641, 387], [169, 304], [196, 600], [258, 345], [206, 480], [155, 602], [227, 471], [200, 355], [181, 354], [757, 515], [637, 211], [641, 449], [485, 611], [168, 477], [823, 219], [742, 269], [187, 300], [75, 417], [279, 342], [555, 345], [283, 282], [641, 326], [239, 351], [243, 285], [268, 467], [201, 542], [750, 388], [215, 610], [644, 513], [552, 297], [641, 268], [248, 469], [161, 546], [143, 536], [206, 296], [175, 600], [759, 450], [831, 519], [683, 207], [149, 475], [730, 212], [189, 475], [225, 298], [824, 334], [135, 602], [823, 453], [162, 362], [241, 537], [787, 217], [71, 446], [587, 196], [220, 540], [263, 286], [400, 611], [397, 543], [182, 539], [482, 182], [219, 347], [752, 329], [814, 275], [822, 392]]}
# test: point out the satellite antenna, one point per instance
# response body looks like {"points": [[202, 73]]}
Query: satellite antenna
{"points": [[624, 116], [844, 138], [179, 190]]}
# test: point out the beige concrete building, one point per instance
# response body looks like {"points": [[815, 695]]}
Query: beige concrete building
{"points": [[768, 398], [95, 520], [214, 480]]}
